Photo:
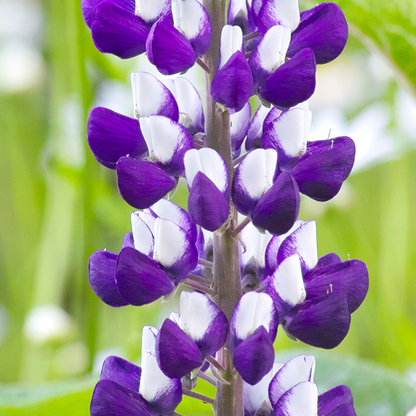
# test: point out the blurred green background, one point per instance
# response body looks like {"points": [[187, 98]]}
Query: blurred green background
{"points": [[58, 205]]}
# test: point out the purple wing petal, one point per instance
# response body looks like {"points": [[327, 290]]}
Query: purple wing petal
{"points": [[112, 135], [291, 83], [128, 240], [112, 399], [336, 402], [168, 49], [88, 7], [322, 29], [207, 206], [140, 280], [142, 183], [322, 322], [152, 97], [254, 357], [122, 372], [350, 277], [326, 164], [232, 85], [102, 269], [118, 31], [255, 129], [328, 259], [203, 321], [278, 208], [176, 352]]}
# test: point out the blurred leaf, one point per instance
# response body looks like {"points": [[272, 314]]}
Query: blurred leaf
{"points": [[376, 389], [390, 25]]}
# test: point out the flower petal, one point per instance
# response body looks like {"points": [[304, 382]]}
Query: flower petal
{"points": [[278, 208], [252, 311], [278, 12], [286, 286], [102, 268], [232, 85], [150, 11], [122, 372], [141, 183], [203, 321], [350, 277], [254, 356], [302, 241], [177, 354], [174, 250], [88, 7], [255, 129], [118, 31], [191, 114], [336, 402], [140, 279], [324, 30], [167, 142], [207, 206], [322, 322], [112, 135], [168, 49], [300, 400], [112, 399], [321, 171], [253, 178], [291, 83], [295, 371], [142, 234], [152, 97], [239, 122], [191, 19]]}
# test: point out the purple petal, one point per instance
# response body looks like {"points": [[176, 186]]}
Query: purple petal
{"points": [[112, 135], [291, 83], [326, 164], [128, 240], [278, 208], [140, 279], [254, 357], [176, 352], [255, 129], [118, 31], [336, 402], [168, 49], [278, 12], [232, 85], [322, 322], [151, 11], [328, 259], [142, 183], [88, 7], [299, 400], [207, 206], [238, 15], [295, 371], [112, 399], [102, 268], [122, 372], [203, 321], [349, 277], [191, 19], [152, 97], [322, 29]]}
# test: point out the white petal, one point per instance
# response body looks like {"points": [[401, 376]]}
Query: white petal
{"points": [[187, 16], [142, 235], [237, 7], [150, 10], [292, 129], [196, 314], [170, 242], [288, 281], [257, 171], [209, 162], [254, 309], [188, 99], [273, 47], [162, 136], [300, 400], [231, 42], [287, 12], [255, 244], [255, 129]]}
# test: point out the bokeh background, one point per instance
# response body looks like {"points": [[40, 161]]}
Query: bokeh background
{"points": [[58, 205]]}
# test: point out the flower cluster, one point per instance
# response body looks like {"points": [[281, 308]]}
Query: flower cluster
{"points": [[247, 195]]}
